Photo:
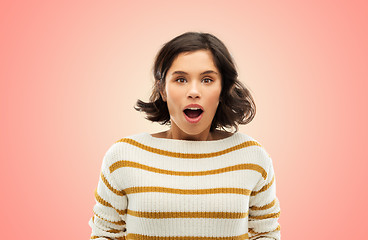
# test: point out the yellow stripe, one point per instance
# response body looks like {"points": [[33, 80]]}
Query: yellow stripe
{"points": [[225, 215], [117, 192], [118, 238], [256, 234], [114, 231], [107, 204], [271, 204], [121, 222], [188, 155], [145, 237], [264, 188], [242, 191], [101, 201], [271, 215], [250, 230], [249, 166]]}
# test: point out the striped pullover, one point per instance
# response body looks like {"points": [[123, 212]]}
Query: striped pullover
{"points": [[156, 189]]}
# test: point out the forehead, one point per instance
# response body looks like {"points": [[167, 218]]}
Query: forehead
{"points": [[200, 60]]}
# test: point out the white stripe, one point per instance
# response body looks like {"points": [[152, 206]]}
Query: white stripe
{"points": [[242, 156], [166, 202], [129, 177], [180, 227]]}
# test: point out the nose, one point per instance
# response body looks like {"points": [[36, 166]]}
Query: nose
{"points": [[194, 90]]}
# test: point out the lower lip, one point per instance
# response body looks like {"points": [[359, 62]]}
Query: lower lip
{"points": [[193, 120]]}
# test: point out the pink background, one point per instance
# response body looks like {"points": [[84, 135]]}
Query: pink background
{"points": [[72, 71]]}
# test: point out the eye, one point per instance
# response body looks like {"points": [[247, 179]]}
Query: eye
{"points": [[180, 80], [207, 80]]}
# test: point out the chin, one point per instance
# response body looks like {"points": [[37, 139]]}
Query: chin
{"points": [[194, 131]]}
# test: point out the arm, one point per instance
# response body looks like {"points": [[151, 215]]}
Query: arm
{"points": [[264, 209], [110, 208]]}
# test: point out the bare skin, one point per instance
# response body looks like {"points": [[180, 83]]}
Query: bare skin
{"points": [[193, 78], [215, 135]]}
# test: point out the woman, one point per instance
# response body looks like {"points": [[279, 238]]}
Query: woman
{"points": [[195, 179]]}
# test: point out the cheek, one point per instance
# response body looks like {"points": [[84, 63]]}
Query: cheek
{"points": [[213, 99], [173, 97], [171, 91], [214, 96]]}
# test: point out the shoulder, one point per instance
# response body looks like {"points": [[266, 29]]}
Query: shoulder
{"points": [[120, 147], [255, 148]]}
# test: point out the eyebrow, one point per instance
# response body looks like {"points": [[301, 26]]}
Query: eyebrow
{"points": [[184, 73]]}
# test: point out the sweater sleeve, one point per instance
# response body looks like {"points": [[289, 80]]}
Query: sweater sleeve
{"points": [[264, 208], [109, 212]]}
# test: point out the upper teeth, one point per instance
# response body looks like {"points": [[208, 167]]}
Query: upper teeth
{"points": [[193, 108]]}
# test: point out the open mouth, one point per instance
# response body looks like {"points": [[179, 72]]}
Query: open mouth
{"points": [[193, 112]]}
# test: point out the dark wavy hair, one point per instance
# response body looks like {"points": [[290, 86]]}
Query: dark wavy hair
{"points": [[236, 105]]}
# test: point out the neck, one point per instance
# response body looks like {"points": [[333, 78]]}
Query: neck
{"points": [[183, 136], [174, 133]]}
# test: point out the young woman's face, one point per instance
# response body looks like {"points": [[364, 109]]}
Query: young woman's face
{"points": [[192, 92]]}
